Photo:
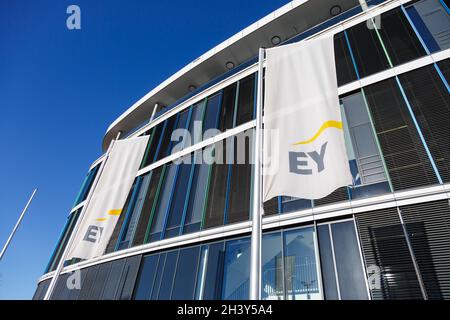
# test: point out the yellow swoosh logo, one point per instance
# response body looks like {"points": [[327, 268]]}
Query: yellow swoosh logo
{"points": [[116, 212], [326, 125]]}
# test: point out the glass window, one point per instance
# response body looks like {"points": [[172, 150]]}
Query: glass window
{"points": [[153, 144], [182, 124], [165, 290], [197, 195], [399, 38], [246, 100], [300, 267], [158, 276], [164, 201], [215, 208], [327, 263], [404, 153], [86, 186], [212, 114], [144, 285], [133, 212], [272, 277], [364, 155], [165, 146], [432, 20], [348, 262], [129, 203], [180, 193], [345, 69], [237, 270], [214, 272], [195, 124], [228, 107], [291, 204], [64, 238], [367, 50], [239, 193], [147, 207], [430, 101], [184, 283]]}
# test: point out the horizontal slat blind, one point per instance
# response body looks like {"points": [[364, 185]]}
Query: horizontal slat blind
{"points": [[384, 245], [428, 226]]}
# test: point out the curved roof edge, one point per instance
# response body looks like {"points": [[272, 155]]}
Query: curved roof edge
{"points": [[285, 22]]}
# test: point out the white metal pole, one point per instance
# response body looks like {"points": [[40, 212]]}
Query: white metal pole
{"points": [[17, 225], [255, 262], [55, 277]]}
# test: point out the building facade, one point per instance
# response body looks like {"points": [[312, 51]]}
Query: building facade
{"points": [[185, 229]]}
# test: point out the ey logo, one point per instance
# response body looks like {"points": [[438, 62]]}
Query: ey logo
{"points": [[93, 234], [300, 162]]}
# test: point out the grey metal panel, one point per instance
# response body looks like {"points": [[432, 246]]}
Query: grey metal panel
{"points": [[128, 278]]}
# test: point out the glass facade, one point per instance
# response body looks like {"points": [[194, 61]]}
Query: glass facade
{"points": [[396, 134]]}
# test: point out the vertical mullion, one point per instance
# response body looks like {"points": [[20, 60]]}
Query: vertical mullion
{"points": [[352, 56], [280, 204], [236, 102]]}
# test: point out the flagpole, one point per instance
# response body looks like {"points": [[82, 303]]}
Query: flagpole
{"points": [[255, 262], [55, 277], [17, 225]]}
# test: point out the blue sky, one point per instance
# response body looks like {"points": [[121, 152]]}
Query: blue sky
{"points": [[60, 90]]}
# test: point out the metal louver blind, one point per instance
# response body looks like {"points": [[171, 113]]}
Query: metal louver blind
{"points": [[444, 65], [428, 227], [430, 102], [404, 153], [384, 245], [271, 207], [338, 195]]}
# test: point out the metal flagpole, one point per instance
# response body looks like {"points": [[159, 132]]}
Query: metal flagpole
{"points": [[55, 277], [17, 225], [255, 262]]}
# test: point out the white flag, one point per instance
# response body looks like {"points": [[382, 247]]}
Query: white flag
{"points": [[304, 148], [108, 199]]}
